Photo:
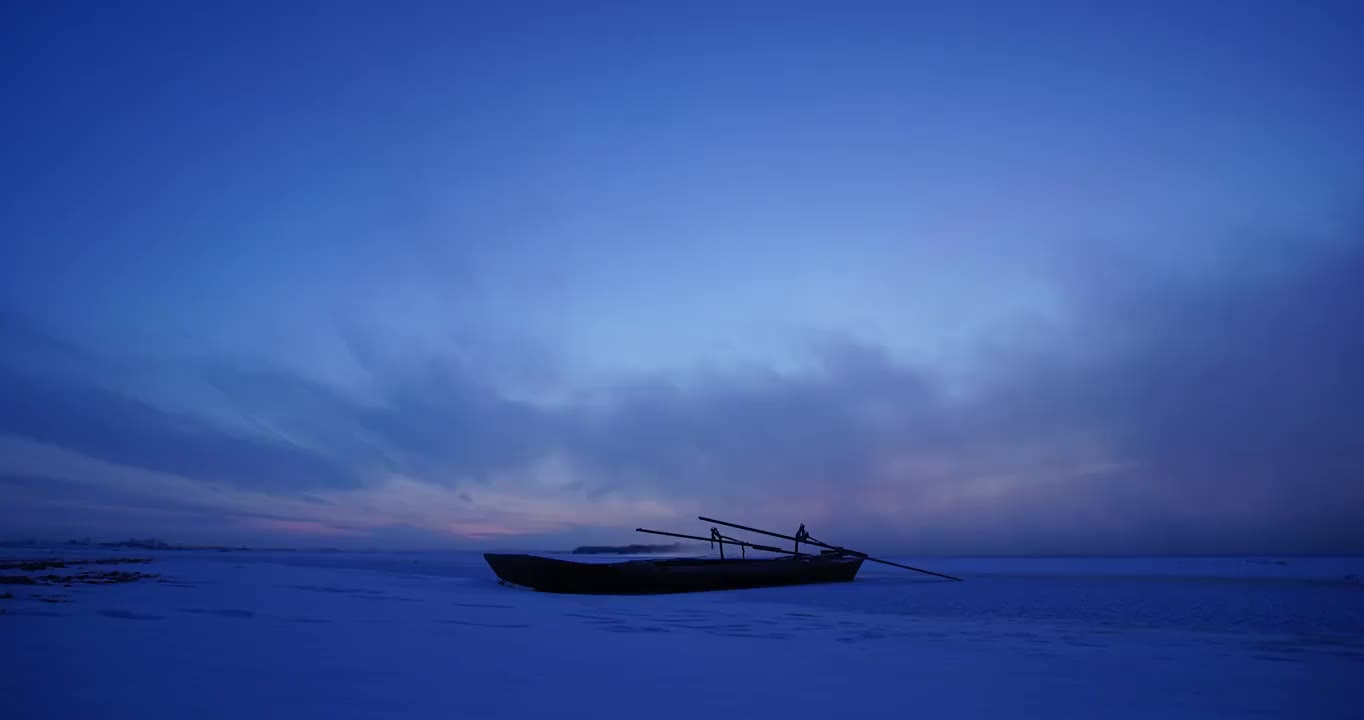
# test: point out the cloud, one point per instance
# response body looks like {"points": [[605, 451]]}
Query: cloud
{"points": [[65, 491], [1232, 403], [72, 412], [1163, 414], [1166, 414]]}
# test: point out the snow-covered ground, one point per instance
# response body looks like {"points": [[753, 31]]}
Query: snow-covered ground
{"points": [[424, 635]]}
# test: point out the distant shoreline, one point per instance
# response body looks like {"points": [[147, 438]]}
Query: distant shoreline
{"points": [[160, 545], [625, 549], [131, 544]]}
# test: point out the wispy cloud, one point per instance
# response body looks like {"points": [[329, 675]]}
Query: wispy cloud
{"points": [[1213, 415]]}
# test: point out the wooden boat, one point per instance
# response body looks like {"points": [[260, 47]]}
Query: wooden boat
{"points": [[675, 575], [670, 575]]}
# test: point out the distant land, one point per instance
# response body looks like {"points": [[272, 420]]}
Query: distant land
{"points": [[130, 543], [624, 549]]}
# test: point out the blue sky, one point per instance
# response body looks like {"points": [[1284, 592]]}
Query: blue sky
{"points": [[939, 276]]}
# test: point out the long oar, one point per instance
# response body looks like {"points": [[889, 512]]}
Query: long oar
{"points": [[812, 541], [768, 548]]}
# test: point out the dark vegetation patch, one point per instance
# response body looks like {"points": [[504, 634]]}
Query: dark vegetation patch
{"points": [[91, 572], [106, 577], [129, 615], [36, 565]]}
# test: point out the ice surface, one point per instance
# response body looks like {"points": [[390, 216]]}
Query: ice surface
{"points": [[432, 635]]}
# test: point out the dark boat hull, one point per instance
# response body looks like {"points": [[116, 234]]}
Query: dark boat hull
{"points": [[649, 577]]}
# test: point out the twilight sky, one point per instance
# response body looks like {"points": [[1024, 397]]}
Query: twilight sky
{"points": [[958, 277]]}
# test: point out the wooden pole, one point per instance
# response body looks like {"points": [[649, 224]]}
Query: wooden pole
{"points": [[812, 541]]}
